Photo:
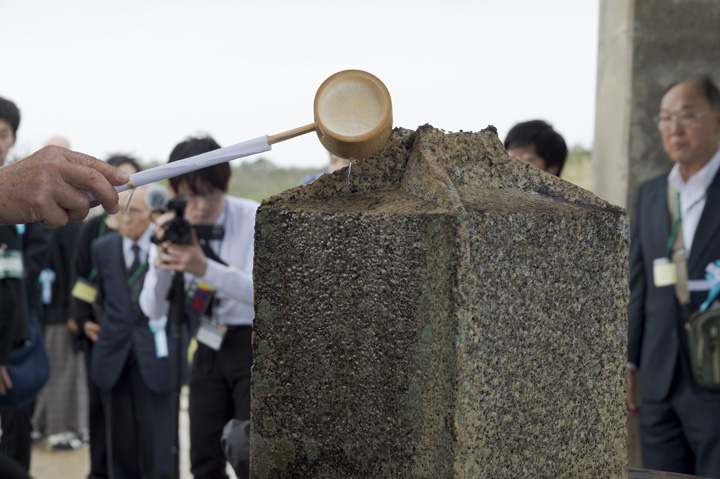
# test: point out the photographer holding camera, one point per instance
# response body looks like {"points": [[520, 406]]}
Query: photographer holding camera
{"points": [[218, 285]]}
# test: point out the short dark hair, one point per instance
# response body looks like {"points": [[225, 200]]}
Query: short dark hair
{"points": [[549, 144], [122, 159], [708, 88], [10, 113], [216, 176]]}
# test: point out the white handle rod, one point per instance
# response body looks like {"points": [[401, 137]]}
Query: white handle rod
{"points": [[177, 168]]}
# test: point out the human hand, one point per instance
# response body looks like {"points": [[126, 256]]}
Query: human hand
{"points": [[184, 258], [632, 407], [161, 224], [48, 187], [5, 382], [92, 330], [72, 325]]}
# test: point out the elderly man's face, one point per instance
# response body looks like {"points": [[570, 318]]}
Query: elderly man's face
{"points": [[7, 140], [688, 126], [133, 222]]}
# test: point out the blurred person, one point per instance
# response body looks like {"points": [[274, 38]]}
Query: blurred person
{"points": [[679, 421], [536, 143], [336, 163], [14, 331], [9, 124], [220, 374], [86, 316], [61, 407], [25, 253], [132, 358]]}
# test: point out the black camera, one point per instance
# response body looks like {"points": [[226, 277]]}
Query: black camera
{"points": [[179, 230]]}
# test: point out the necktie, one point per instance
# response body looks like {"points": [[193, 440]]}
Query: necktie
{"points": [[136, 258]]}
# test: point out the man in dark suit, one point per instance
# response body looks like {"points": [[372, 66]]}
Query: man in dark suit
{"points": [[131, 363], [679, 421]]}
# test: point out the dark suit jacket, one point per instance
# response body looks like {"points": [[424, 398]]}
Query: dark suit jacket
{"points": [[656, 335], [125, 327]]}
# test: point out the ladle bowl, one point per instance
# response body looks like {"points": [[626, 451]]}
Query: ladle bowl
{"points": [[353, 115]]}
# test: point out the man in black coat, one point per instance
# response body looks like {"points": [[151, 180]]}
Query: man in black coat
{"points": [[131, 363], [679, 421]]}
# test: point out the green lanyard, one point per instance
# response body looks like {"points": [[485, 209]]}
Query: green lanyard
{"points": [[101, 233], [676, 223]]}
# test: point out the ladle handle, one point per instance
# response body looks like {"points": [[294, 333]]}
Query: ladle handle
{"points": [[286, 135]]}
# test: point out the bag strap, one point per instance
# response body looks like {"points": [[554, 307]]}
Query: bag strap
{"points": [[678, 249]]}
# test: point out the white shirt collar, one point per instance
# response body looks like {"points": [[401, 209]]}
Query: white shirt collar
{"points": [[700, 181], [143, 242]]}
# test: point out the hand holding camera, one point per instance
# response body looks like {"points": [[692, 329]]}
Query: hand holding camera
{"points": [[178, 242]]}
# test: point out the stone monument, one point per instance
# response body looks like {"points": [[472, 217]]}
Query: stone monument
{"points": [[439, 310]]}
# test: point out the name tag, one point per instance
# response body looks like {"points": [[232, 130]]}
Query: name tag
{"points": [[158, 326], [11, 265], [84, 290], [211, 335], [664, 272]]}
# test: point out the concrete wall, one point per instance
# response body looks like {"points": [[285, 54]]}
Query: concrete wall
{"points": [[644, 46]]}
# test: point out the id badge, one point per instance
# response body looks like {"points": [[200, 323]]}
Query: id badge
{"points": [[664, 272], [11, 264], [211, 335], [84, 290]]}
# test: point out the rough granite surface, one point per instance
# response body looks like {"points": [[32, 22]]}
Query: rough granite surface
{"points": [[439, 311]]}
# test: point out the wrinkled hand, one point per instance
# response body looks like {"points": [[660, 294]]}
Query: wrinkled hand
{"points": [[48, 187], [184, 258], [632, 407], [92, 330], [5, 382]]}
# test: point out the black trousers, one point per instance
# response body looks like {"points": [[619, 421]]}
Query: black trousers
{"points": [[682, 433], [16, 442], [96, 422], [138, 423], [10, 469], [219, 391]]}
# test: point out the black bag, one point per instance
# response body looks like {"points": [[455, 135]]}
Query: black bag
{"points": [[28, 367], [703, 334]]}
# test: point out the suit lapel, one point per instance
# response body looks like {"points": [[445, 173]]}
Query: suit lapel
{"points": [[708, 228], [117, 264], [660, 224]]}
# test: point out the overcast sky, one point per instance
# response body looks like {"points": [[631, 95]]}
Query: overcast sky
{"points": [[138, 76]]}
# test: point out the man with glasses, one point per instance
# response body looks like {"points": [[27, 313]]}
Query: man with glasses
{"points": [[132, 370], [218, 277], [679, 421]]}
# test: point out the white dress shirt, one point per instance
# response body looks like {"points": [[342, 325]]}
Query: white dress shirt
{"points": [[692, 190], [143, 242], [233, 283]]}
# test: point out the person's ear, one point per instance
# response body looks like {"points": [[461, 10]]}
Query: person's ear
{"points": [[227, 186], [171, 189]]}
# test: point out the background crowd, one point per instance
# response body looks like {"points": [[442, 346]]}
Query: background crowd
{"points": [[91, 303]]}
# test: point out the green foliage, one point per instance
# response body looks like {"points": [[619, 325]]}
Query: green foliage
{"points": [[260, 179], [578, 167]]}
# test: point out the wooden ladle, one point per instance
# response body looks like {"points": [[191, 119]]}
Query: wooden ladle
{"points": [[353, 115], [353, 119]]}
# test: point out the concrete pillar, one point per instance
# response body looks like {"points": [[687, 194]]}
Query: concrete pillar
{"points": [[644, 46]]}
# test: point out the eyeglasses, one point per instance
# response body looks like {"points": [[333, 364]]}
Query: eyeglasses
{"points": [[687, 119]]}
